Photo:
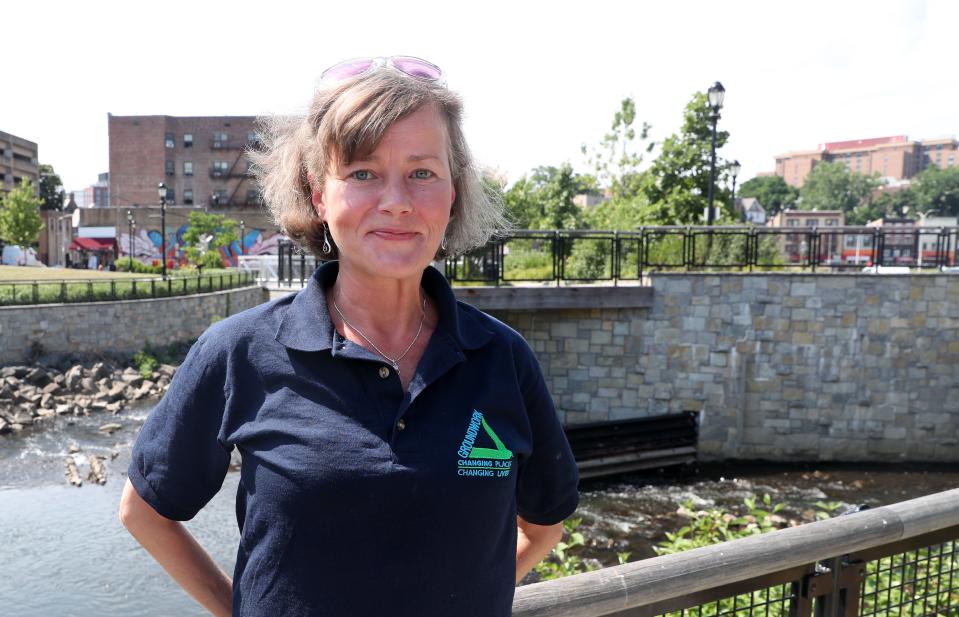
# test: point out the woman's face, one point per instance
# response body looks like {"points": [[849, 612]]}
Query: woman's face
{"points": [[388, 211]]}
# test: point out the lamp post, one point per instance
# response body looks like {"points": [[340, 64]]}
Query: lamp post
{"points": [[161, 189], [715, 94], [242, 234], [130, 224], [734, 169]]}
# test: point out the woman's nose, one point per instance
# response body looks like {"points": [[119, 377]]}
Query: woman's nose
{"points": [[396, 197]]}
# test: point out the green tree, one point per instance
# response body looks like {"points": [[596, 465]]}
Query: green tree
{"points": [[899, 203], [544, 199], [207, 232], [51, 189], [678, 192], [620, 154], [937, 190], [831, 186], [20, 221], [772, 192]]}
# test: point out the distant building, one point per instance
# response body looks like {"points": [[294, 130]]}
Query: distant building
{"points": [[201, 160], [751, 210], [586, 201], [895, 157], [897, 249], [18, 161], [935, 244], [796, 246], [96, 195]]}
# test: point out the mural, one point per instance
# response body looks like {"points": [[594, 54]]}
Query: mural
{"points": [[147, 245]]}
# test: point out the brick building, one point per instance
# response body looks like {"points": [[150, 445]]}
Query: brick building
{"points": [[201, 160], [895, 157], [18, 160], [796, 246]]}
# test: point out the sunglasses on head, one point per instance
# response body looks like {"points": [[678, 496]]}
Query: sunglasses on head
{"points": [[408, 65]]}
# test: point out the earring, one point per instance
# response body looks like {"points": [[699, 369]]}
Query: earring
{"points": [[443, 243], [326, 240]]}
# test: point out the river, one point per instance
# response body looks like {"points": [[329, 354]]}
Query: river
{"points": [[63, 551]]}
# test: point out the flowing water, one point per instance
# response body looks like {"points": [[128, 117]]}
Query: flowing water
{"points": [[63, 552]]}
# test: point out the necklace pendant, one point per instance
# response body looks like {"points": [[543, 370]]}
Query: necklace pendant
{"points": [[396, 367]]}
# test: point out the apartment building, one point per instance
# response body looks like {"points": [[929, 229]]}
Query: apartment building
{"points": [[18, 161], [201, 160], [895, 157], [796, 246]]}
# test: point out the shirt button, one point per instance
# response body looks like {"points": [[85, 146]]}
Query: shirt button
{"points": [[384, 372], [400, 424]]}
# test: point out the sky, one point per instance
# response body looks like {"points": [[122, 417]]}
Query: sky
{"points": [[538, 79]]}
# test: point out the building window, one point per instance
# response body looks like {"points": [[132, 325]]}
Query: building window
{"points": [[252, 138], [170, 170], [170, 199], [219, 169], [812, 222], [168, 141], [187, 168], [830, 222], [188, 140], [220, 139], [188, 197], [792, 223], [253, 197], [218, 198]]}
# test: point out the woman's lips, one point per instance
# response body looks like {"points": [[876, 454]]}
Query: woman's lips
{"points": [[393, 234]]}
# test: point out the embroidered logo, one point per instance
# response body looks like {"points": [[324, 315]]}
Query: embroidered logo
{"points": [[480, 461]]}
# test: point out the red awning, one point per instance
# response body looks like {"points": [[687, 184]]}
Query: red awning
{"points": [[93, 244]]}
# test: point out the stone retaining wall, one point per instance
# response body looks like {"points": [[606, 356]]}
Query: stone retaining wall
{"points": [[122, 327], [782, 366]]}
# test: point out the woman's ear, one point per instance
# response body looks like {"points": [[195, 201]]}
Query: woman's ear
{"points": [[316, 196]]}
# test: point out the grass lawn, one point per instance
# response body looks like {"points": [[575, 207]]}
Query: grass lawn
{"points": [[33, 273], [29, 273]]}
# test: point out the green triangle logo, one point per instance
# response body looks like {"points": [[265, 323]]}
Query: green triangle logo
{"points": [[500, 453]]}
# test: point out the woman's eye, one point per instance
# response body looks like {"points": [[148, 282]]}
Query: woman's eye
{"points": [[422, 174], [361, 174]]}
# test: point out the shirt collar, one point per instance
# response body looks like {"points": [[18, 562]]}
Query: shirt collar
{"points": [[306, 323]]}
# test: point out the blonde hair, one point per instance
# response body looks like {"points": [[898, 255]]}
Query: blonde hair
{"points": [[348, 120]]}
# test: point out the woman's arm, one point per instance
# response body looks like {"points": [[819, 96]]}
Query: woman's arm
{"points": [[533, 543], [178, 552]]}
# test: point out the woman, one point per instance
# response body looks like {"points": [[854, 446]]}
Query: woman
{"points": [[400, 452]]}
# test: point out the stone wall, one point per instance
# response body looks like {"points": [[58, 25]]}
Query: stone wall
{"points": [[781, 366], [123, 327]]}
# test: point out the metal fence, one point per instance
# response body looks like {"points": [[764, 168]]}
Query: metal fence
{"points": [[99, 290], [900, 560], [556, 257]]}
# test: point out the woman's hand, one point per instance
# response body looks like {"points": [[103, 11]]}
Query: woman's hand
{"points": [[178, 552], [533, 543]]}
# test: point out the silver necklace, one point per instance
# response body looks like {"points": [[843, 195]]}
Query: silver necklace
{"points": [[394, 361]]}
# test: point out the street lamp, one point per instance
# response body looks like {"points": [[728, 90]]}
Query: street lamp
{"points": [[734, 169], [242, 234], [715, 94], [131, 225], [161, 189]]}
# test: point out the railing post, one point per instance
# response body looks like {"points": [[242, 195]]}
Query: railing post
{"points": [[36, 293]]}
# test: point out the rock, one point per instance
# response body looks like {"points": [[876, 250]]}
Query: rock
{"points": [[46, 401], [45, 413], [116, 392], [115, 407], [14, 372], [50, 388], [37, 376], [71, 473], [73, 448], [131, 380], [34, 398], [6, 392], [98, 371], [59, 379], [98, 472], [23, 417], [98, 405], [166, 369], [83, 402], [109, 429], [87, 385], [13, 382], [63, 409], [73, 377]]}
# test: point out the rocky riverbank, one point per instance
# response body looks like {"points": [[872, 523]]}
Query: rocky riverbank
{"points": [[34, 394]]}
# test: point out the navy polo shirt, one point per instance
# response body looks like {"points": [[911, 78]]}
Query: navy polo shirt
{"points": [[357, 498]]}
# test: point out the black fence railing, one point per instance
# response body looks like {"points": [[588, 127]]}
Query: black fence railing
{"points": [[99, 290], [896, 560], [596, 256]]}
